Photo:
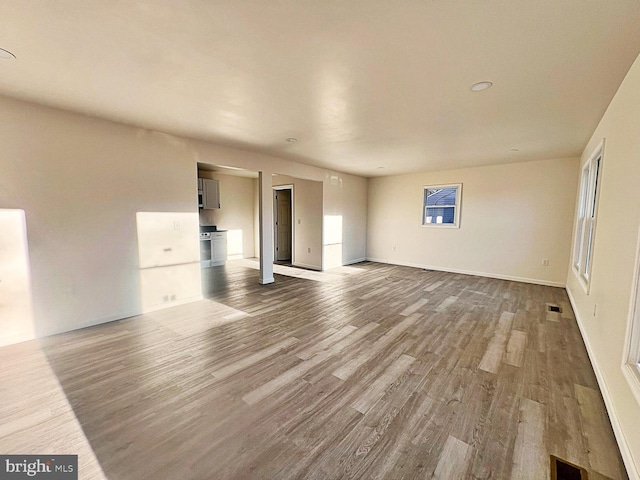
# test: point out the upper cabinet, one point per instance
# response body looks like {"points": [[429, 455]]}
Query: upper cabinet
{"points": [[210, 193]]}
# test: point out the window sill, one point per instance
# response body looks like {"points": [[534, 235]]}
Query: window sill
{"points": [[583, 283], [439, 225], [632, 374]]}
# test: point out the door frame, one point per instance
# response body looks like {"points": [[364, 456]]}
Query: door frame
{"points": [[276, 189]]}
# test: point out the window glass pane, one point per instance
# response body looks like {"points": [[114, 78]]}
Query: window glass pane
{"points": [[578, 242], [595, 188], [446, 215], [583, 192], [587, 261], [441, 196], [582, 206]]}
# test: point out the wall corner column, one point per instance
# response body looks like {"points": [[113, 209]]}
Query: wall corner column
{"points": [[266, 227]]}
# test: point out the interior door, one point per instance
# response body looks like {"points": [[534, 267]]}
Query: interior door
{"points": [[283, 230]]}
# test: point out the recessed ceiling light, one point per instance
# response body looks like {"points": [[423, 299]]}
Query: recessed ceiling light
{"points": [[514, 150], [480, 86], [6, 54], [380, 168], [292, 139]]}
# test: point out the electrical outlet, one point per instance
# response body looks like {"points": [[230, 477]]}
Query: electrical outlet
{"points": [[176, 225], [309, 250], [545, 262], [393, 248], [595, 309]]}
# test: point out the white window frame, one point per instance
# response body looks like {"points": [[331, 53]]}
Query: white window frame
{"points": [[456, 215], [631, 363], [587, 216]]}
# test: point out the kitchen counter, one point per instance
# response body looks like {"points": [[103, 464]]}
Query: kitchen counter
{"points": [[210, 228]]}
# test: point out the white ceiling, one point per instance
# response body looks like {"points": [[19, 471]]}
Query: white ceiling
{"points": [[361, 84]]}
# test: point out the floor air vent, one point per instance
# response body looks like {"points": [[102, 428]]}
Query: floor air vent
{"points": [[554, 308], [563, 470]]}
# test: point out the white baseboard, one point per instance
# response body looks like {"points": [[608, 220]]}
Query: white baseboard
{"points": [[307, 266], [625, 451], [471, 272], [47, 332], [318, 269], [18, 338], [357, 260], [90, 323]]}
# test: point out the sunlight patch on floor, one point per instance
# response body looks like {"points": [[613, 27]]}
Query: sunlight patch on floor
{"points": [[197, 317], [326, 276], [38, 418]]}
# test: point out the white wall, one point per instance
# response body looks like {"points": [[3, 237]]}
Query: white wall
{"points": [[236, 213], [307, 220], [614, 253], [82, 181], [256, 218], [512, 217], [345, 203]]}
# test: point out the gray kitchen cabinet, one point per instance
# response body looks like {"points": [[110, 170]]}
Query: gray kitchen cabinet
{"points": [[210, 193]]}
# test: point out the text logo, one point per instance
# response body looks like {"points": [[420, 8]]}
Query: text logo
{"points": [[39, 467]]}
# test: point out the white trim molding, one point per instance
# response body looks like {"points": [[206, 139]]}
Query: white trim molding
{"points": [[357, 260], [455, 207], [308, 267], [625, 451], [497, 276]]}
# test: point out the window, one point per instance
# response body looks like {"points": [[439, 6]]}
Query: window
{"points": [[634, 357], [587, 214], [632, 367], [441, 205]]}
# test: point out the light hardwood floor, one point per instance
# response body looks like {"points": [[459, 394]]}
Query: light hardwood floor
{"points": [[370, 371]]}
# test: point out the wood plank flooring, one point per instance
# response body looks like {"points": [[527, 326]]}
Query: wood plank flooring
{"points": [[371, 371]]}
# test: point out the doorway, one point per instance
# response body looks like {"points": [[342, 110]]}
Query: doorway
{"points": [[283, 228]]}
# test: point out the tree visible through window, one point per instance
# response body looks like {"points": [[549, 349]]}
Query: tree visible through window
{"points": [[442, 205]]}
